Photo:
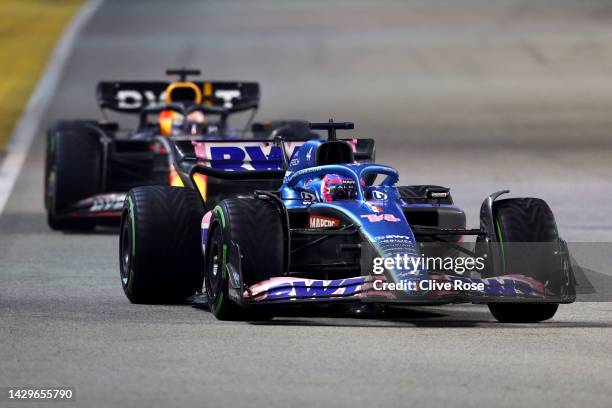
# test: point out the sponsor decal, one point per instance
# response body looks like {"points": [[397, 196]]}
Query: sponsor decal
{"points": [[392, 238], [379, 195], [381, 217], [308, 197], [285, 289], [438, 195], [295, 288], [135, 98], [227, 95], [108, 202], [512, 285], [242, 156], [374, 207], [309, 154], [317, 221]]}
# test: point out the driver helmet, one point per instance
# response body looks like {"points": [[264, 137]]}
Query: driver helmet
{"points": [[171, 122], [335, 187], [197, 124]]}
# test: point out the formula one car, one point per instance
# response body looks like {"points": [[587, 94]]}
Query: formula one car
{"points": [[90, 164], [333, 230]]}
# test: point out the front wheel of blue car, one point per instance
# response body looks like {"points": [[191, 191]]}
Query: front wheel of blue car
{"points": [[527, 239], [255, 228]]}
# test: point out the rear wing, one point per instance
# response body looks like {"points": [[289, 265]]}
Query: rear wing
{"points": [[134, 96], [208, 166], [233, 160], [247, 159]]}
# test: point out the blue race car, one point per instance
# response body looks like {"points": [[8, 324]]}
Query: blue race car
{"points": [[319, 222]]}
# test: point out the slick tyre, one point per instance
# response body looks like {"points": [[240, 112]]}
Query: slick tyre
{"points": [[160, 252], [256, 228], [72, 171], [527, 233]]}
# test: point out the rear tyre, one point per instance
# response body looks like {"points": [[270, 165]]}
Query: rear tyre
{"points": [[526, 220], [72, 172], [160, 256], [256, 227]]}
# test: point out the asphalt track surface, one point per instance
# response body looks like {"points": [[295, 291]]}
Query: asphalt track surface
{"points": [[476, 95]]}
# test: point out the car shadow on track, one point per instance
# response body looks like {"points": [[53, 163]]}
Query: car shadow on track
{"points": [[423, 316], [418, 317], [391, 317]]}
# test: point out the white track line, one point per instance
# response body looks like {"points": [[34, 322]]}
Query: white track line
{"points": [[29, 123]]}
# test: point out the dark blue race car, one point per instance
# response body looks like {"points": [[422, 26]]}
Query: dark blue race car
{"points": [[90, 165], [320, 222]]}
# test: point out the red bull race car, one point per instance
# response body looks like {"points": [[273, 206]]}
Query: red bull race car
{"points": [[319, 223], [90, 164]]}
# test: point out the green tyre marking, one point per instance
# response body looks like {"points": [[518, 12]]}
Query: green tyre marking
{"points": [[219, 299], [501, 245], [219, 212]]}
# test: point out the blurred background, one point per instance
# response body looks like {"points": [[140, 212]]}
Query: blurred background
{"points": [[477, 95], [28, 32], [443, 71]]}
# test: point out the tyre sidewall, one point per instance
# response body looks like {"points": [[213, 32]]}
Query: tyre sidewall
{"points": [[72, 172], [166, 264]]}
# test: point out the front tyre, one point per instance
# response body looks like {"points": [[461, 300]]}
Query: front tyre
{"points": [[529, 221], [256, 228], [159, 250]]}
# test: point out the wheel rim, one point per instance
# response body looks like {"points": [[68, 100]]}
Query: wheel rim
{"points": [[214, 268], [125, 255]]}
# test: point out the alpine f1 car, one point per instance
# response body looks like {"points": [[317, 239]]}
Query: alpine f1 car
{"points": [[90, 165], [317, 222]]}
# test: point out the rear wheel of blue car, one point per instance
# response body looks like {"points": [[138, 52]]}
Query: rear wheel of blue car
{"points": [[160, 256], [254, 228], [527, 233]]}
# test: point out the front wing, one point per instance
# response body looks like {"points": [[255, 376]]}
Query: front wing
{"points": [[505, 288], [102, 206]]}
